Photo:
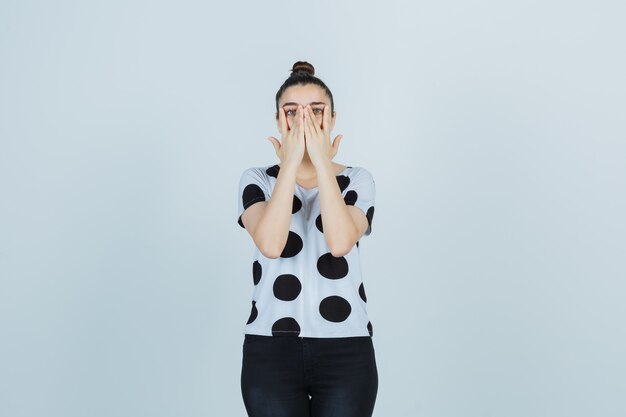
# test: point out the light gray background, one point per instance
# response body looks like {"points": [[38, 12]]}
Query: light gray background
{"points": [[495, 134]]}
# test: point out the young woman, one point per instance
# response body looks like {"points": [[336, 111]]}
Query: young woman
{"points": [[307, 349]]}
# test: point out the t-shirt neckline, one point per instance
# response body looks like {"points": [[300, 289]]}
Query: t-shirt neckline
{"points": [[316, 187]]}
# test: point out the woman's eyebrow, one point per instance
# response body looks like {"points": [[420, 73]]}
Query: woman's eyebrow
{"points": [[313, 103]]}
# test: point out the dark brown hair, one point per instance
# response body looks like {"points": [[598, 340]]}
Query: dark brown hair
{"points": [[303, 73]]}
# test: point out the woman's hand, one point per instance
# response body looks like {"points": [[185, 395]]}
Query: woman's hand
{"points": [[317, 138], [291, 150]]}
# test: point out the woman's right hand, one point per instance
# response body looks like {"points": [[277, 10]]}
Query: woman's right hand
{"points": [[291, 150]]}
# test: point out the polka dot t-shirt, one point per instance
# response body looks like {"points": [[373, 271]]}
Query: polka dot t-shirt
{"points": [[306, 291]]}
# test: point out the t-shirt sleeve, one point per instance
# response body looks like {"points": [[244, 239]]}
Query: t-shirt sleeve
{"points": [[253, 187], [361, 193]]}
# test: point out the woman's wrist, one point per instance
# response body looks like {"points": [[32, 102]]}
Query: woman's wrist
{"points": [[290, 166], [322, 164]]}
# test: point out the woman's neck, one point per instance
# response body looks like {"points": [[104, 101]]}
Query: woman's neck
{"points": [[306, 169]]}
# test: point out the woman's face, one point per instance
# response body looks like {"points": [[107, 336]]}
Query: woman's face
{"points": [[305, 94]]}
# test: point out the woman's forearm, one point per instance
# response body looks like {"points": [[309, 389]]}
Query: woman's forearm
{"points": [[340, 232], [272, 229]]}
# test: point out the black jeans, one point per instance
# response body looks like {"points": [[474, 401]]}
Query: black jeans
{"points": [[279, 373]]}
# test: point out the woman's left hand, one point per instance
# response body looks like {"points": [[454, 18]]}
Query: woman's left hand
{"points": [[317, 138]]}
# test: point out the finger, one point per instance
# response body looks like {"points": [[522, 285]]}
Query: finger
{"points": [[294, 124], [300, 124], [313, 120], [275, 143], [310, 121], [336, 142], [325, 117], [307, 124], [282, 120]]}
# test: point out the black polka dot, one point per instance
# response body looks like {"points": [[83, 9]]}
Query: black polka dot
{"points": [[343, 182], [357, 243], [297, 205], [253, 313], [251, 194], [287, 326], [273, 171], [293, 245], [351, 197], [335, 308], [362, 292], [256, 272], [287, 287], [332, 267], [370, 215], [369, 328], [318, 223]]}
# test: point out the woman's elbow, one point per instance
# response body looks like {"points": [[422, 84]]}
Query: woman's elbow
{"points": [[339, 250], [268, 250], [270, 253]]}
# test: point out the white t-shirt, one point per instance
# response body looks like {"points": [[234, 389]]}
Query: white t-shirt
{"points": [[308, 292]]}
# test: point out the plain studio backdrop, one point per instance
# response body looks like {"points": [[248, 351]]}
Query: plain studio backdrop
{"points": [[495, 132]]}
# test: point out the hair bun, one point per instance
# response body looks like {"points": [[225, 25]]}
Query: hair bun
{"points": [[302, 66]]}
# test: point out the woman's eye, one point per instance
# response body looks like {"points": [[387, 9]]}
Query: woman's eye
{"points": [[318, 111], [291, 112]]}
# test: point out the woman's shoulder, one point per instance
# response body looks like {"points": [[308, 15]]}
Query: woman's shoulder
{"points": [[270, 170], [355, 170]]}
